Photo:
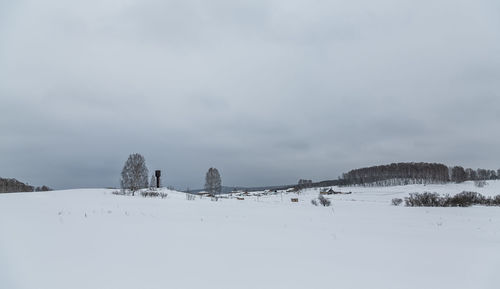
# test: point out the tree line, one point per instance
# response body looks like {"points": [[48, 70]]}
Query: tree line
{"points": [[458, 174], [414, 173], [13, 185], [135, 174]]}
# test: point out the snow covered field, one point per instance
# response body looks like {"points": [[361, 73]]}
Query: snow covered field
{"points": [[90, 238]]}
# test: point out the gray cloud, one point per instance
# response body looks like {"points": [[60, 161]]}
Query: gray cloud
{"points": [[267, 91]]}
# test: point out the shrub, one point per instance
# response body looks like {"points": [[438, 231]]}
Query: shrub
{"points": [[150, 194], [480, 183], [314, 202], [495, 201], [324, 201], [42, 189], [119, 193], [397, 201], [464, 199], [425, 199]]}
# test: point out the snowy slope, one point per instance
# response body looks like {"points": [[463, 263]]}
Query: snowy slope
{"points": [[94, 239]]}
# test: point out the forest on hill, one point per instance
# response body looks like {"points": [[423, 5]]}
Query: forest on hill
{"points": [[414, 173], [13, 185]]}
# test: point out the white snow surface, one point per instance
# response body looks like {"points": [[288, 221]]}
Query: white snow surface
{"points": [[91, 238]]}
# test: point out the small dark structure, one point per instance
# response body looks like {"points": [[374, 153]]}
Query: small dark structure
{"points": [[328, 192], [157, 175], [332, 192]]}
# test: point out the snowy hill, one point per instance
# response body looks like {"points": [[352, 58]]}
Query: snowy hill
{"points": [[91, 238]]}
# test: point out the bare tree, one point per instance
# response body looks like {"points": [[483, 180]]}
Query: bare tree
{"points": [[134, 173], [396, 201], [213, 183]]}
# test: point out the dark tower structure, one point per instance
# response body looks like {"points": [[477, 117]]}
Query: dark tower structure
{"points": [[157, 175]]}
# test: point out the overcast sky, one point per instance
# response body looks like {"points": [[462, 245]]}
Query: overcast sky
{"points": [[266, 91]]}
